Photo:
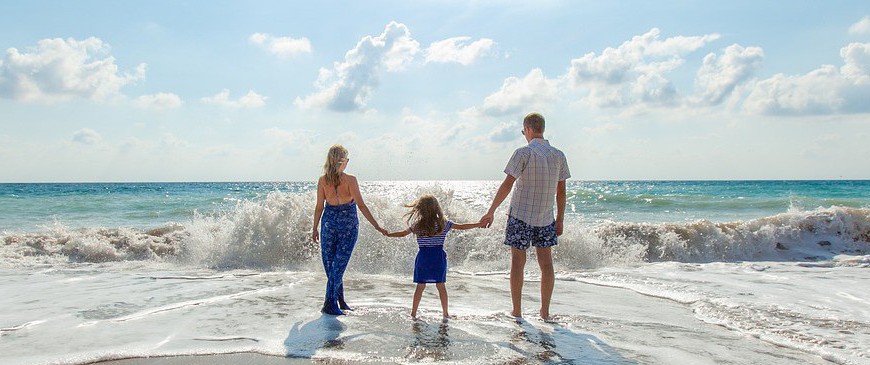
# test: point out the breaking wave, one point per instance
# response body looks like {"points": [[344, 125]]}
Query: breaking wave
{"points": [[273, 233]]}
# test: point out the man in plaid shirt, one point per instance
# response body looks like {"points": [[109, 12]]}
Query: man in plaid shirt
{"points": [[539, 171]]}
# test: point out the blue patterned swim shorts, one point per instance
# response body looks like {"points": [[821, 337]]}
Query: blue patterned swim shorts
{"points": [[520, 235]]}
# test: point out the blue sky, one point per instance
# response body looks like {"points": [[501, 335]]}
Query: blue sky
{"points": [[427, 90]]}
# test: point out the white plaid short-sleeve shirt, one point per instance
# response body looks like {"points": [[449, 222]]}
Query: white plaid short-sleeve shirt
{"points": [[538, 168]]}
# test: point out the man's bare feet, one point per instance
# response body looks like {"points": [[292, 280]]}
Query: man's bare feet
{"points": [[545, 315], [414, 314], [516, 313]]}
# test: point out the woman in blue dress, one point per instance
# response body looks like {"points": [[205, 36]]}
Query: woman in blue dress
{"points": [[427, 222], [338, 198]]}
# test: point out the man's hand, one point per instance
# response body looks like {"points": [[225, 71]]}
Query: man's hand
{"points": [[559, 225], [486, 220], [315, 236]]}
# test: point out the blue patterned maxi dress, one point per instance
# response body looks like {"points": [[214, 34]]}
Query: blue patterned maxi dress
{"points": [[339, 228]]}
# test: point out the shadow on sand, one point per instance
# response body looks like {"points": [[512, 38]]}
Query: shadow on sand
{"points": [[323, 332]]}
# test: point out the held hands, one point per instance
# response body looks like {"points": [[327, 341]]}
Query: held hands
{"points": [[382, 230], [486, 220]]}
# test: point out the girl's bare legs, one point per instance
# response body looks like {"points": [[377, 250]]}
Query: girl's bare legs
{"points": [[417, 295], [442, 293]]}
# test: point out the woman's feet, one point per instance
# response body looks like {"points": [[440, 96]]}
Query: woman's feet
{"points": [[330, 307], [342, 304]]}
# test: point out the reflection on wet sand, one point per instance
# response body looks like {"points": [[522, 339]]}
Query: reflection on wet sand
{"points": [[430, 341]]}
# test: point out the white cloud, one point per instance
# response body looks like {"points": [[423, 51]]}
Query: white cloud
{"points": [[861, 27], [132, 144], [459, 50], [517, 94], [249, 100], [826, 90], [413, 121], [505, 132], [86, 136], [290, 142], [281, 46], [856, 67], [58, 69], [349, 84], [170, 141], [634, 71], [719, 75], [452, 133], [602, 129], [159, 101]]}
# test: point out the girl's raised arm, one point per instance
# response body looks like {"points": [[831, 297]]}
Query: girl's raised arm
{"points": [[354, 190], [318, 210]]}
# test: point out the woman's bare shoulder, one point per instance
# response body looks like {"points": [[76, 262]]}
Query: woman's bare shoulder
{"points": [[350, 178]]}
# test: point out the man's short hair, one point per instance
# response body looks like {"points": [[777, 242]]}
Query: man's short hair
{"points": [[535, 122]]}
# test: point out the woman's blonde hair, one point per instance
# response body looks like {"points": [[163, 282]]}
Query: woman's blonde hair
{"points": [[334, 157], [426, 217]]}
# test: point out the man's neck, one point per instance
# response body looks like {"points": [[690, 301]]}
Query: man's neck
{"points": [[533, 136]]}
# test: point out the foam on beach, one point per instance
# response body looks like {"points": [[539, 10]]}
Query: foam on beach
{"points": [[273, 233]]}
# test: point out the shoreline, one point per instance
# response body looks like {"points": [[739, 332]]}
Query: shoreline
{"points": [[240, 358]]}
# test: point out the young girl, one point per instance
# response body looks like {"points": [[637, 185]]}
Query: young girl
{"points": [[427, 222]]}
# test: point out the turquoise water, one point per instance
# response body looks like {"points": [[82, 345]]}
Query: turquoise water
{"points": [[33, 207]]}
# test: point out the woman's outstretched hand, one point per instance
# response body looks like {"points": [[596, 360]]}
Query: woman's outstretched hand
{"points": [[315, 236]]}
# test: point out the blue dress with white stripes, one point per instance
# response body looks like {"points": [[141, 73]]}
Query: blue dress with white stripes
{"points": [[431, 263]]}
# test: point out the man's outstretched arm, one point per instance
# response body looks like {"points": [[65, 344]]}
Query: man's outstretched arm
{"points": [[500, 196]]}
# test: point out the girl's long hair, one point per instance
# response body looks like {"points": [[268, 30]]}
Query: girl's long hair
{"points": [[426, 217], [333, 162]]}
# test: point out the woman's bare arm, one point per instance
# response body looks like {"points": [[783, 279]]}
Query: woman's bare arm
{"points": [[398, 234], [354, 190], [318, 210]]}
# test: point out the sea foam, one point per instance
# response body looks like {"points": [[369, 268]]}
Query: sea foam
{"points": [[274, 232]]}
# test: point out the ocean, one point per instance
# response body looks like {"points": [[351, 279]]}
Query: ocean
{"points": [[648, 272]]}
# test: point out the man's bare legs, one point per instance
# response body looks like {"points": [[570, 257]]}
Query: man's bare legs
{"points": [[442, 293], [518, 264], [548, 279]]}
